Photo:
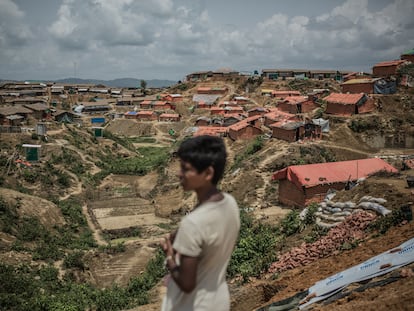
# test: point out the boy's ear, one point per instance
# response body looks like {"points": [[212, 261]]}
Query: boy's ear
{"points": [[209, 173]]}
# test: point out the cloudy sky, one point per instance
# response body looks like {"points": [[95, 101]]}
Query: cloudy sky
{"points": [[167, 39]]}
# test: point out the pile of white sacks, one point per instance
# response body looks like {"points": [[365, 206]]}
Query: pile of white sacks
{"points": [[331, 214]]}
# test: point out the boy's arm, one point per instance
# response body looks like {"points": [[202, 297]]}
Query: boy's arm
{"points": [[184, 275]]}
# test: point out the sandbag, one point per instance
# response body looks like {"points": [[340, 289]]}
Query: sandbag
{"points": [[375, 207]]}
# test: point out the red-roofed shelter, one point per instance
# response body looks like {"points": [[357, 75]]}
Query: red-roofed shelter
{"points": [[348, 104], [300, 185]]}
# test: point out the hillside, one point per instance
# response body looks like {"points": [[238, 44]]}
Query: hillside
{"points": [[87, 219]]}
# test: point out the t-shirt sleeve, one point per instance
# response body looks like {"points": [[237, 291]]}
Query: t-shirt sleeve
{"points": [[188, 240]]}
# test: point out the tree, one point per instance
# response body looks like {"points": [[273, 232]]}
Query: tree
{"points": [[143, 86]]}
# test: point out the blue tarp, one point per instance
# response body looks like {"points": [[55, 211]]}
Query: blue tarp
{"points": [[385, 87]]}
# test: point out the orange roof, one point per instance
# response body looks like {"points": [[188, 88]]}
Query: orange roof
{"points": [[210, 130], [169, 115], [217, 109], [278, 115], [160, 103], [204, 88], [332, 172], [239, 125], [145, 112], [146, 102], [390, 63], [346, 99], [295, 99], [252, 118]]}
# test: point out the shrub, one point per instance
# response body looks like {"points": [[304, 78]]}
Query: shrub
{"points": [[254, 251], [291, 224], [252, 148], [74, 260]]}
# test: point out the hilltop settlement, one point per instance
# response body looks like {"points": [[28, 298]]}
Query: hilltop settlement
{"points": [[321, 163]]}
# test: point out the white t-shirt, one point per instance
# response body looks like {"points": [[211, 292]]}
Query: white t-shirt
{"points": [[209, 232]]}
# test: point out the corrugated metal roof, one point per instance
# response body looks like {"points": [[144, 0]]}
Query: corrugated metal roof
{"points": [[332, 172], [346, 99], [10, 110]]}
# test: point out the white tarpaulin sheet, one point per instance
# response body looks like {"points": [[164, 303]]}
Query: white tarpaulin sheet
{"points": [[324, 124], [373, 267]]}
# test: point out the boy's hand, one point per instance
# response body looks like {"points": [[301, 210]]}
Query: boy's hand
{"points": [[167, 246]]}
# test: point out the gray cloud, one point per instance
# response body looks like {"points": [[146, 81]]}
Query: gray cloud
{"points": [[13, 30], [167, 39]]}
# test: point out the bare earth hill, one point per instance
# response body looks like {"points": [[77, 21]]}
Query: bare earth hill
{"points": [[138, 209]]}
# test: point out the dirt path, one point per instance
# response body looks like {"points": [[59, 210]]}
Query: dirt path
{"points": [[95, 231]]}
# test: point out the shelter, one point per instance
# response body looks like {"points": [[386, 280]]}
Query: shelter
{"points": [[243, 130], [297, 104], [348, 104], [64, 116], [32, 152], [277, 115], [257, 111], [202, 121], [97, 131], [388, 68], [147, 115], [169, 117], [130, 115], [173, 98], [300, 185], [369, 86], [211, 130]]}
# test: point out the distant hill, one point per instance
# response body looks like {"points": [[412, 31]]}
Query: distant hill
{"points": [[123, 82]]}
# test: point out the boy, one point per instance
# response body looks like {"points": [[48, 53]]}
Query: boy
{"points": [[198, 254]]}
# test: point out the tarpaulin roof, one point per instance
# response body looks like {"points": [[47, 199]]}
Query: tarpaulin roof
{"points": [[332, 172], [346, 99], [390, 63], [362, 80]]}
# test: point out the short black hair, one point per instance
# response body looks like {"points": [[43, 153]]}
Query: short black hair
{"points": [[204, 151]]}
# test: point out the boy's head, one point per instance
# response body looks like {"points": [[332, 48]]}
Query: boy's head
{"points": [[204, 151]]}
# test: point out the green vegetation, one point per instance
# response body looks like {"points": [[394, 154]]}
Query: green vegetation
{"points": [[122, 233], [252, 148], [113, 248], [291, 224], [70, 160], [45, 244], [151, 158], [383, 224], [255, 249], [142, 139], [257, 244], [32, 288], [125, 142]]}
